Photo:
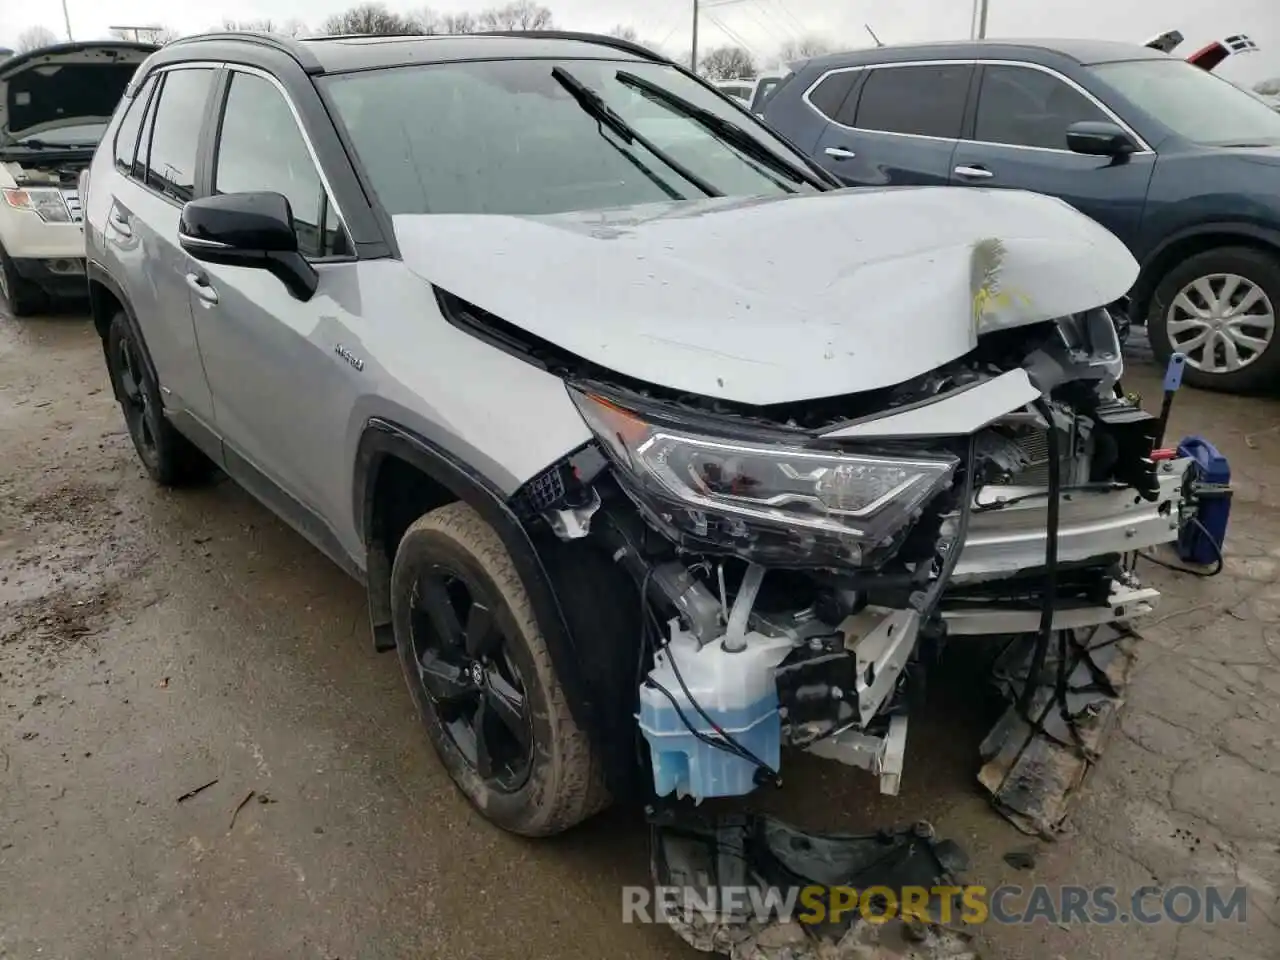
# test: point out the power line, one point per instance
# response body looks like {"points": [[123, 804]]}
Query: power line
{"points": [[791, 16], [778, 23], [732, 35]]}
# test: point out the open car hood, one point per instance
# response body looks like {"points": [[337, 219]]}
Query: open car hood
{"points": [[762, 301], [65, 85]]}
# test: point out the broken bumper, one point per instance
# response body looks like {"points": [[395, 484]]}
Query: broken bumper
{"points": [[1009, 539]]}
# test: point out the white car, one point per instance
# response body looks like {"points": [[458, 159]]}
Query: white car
{"points": [[55, 104]]}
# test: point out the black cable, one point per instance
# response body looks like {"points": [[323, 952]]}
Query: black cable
{"points": [[933, 597], [1219, 563], [729, 744], [1050, 594], [1104, 486], [645, 614]]}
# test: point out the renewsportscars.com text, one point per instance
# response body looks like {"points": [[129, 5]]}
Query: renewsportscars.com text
{"points": [[973, 905]]}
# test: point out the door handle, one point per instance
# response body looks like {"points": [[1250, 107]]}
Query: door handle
{"points": [[120, 223], [974, 173], [202, 289], [839, 153]]}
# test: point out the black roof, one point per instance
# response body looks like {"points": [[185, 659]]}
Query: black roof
{"points": [[1084, 52], [363, 52]]}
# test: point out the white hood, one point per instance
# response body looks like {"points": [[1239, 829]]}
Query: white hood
{"points": [[65, 85], [768, 301]]}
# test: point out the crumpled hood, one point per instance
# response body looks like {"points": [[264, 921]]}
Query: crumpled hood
{"points": [[65, 85], [765, 301]]}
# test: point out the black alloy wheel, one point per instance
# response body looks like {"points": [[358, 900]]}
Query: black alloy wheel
{"points": [[482, 678], [469, 679], [169, 457], [138, 415]]}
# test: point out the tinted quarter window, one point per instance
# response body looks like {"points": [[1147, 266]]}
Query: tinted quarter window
{"points": [[765, 90], [261, 148], [1029, 108], [126, 144], [926, 101], [171, 165], [830, 93]]}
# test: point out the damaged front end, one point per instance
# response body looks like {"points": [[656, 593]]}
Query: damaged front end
{"points": [[801, 565]]}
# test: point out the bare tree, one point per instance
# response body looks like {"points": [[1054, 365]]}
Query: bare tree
{"points": [[286, 28], [803, 48], [157, 34], [433, 23], [370, 18], [629, 34], [33, 38], [727, 63], [454, 23], [517, 15]]}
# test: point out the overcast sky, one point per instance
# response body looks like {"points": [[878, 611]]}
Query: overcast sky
{"points": [[759, 24]]}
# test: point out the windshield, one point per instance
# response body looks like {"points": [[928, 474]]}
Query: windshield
{"points": [[507, 137], [1194, 103], [79, 135]]}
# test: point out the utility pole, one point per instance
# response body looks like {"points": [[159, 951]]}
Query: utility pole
{"points": [[979, 22], [67, 19], [693, 52]]}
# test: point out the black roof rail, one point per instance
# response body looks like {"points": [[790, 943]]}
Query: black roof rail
{"points": [[287, 45], [600, 39]]}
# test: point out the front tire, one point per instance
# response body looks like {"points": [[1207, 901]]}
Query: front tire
{"points": [[168, 457], [23, 297], [1220, 308], [480, 674]]}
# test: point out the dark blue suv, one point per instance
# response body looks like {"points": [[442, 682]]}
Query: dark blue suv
{"points": [[1179, 164]]}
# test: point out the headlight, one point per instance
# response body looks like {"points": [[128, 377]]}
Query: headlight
{"points": [[775, 503], [46, 202]]}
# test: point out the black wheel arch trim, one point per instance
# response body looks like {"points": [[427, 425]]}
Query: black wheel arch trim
{"points": [[382, 438], [1245, 231], [96, 273], [1149, 277]]}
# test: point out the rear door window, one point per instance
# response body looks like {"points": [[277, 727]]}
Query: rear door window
{"points": [[126, 143], [1025, 107], [175, 137], [923, 101]]}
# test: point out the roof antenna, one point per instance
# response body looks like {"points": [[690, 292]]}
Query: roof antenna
{"points": [[873, 35]]}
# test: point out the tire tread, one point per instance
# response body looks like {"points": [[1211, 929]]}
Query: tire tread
{"points": [[578, 784]]}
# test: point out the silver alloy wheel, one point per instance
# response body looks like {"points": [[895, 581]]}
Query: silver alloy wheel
{"points": [[1222, 322]]}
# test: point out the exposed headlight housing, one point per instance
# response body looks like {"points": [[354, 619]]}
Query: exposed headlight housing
{"points": [[775, 503], [46, 202]]}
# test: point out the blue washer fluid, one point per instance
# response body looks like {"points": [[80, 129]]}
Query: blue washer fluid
{"points": [[737, 689]]}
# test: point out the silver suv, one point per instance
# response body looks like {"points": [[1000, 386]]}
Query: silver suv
{"points": [[653, 449]]}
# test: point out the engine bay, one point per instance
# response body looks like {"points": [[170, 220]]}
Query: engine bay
{"points": [[802, 567]]}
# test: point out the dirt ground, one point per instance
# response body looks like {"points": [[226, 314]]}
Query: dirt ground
{"points": [[152, 642]]}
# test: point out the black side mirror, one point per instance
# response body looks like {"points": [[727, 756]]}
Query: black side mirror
{"points": [[248, 230], [1099, 138]]}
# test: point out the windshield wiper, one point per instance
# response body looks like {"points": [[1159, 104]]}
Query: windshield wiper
{"points": [[37, 144], [718, 126], [594, 105]]}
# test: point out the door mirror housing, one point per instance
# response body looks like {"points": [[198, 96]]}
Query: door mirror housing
{"points": [[248, 230], [1099, 138]]}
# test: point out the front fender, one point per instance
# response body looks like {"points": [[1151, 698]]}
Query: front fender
{"points": [[382, 439]]}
